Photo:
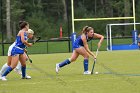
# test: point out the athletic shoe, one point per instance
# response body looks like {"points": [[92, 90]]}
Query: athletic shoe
{"points": [[3, 78], [87, 72], [18, 71], [57, 68], [27, 77]]}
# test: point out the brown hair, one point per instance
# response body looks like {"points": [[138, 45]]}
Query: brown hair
{"points": [[86, 29], [22, 24]]}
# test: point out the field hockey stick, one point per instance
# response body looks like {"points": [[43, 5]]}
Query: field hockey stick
{"points": [[26, 52], [36, 39], [131, 44], [94, 61], [30, 60]]}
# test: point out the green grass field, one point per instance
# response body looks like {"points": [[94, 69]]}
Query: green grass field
{"points": [[119, 72]]}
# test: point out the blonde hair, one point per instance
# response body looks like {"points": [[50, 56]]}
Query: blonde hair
{"points": [[86, 29], [30, 31]]}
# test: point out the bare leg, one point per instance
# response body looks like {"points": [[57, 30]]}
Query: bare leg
{"points": [[22, 59], [19, 66], [9, 60], [74, 56], [83, 52]]}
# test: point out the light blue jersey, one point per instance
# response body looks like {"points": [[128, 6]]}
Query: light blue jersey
{"points": [[19, 45], [78, 42]]}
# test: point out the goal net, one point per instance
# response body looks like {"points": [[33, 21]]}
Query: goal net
{"points": [[121, 36]]}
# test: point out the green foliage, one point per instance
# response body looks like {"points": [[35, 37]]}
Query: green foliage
{"points": [[37, 21], [44, 26], [46, 16], [16, 10]]}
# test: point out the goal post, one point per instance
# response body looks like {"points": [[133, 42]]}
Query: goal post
{"points": [[111, 46]]}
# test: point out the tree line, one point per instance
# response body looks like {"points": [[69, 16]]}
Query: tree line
{"points": [[46, 16]]}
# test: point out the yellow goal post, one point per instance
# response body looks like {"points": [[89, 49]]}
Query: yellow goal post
{"points": [[110, 18]]}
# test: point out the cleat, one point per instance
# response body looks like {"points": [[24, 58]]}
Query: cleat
{"points": [[27, 77], [18, 71], [57, 68], [3, 78], [87, 73]]}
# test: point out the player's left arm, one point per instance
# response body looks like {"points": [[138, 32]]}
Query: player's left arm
{"points": [[86, 46], [23, 39], [101, 37]]}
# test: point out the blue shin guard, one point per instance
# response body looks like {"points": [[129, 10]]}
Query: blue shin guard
{"points": [[66, 62], [85, 64], [8, 70], [23, 69]]}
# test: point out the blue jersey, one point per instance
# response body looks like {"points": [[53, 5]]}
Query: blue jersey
{"points": [[19, 42], [19, 45], [78, 42]]}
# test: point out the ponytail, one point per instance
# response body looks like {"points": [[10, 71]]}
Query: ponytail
{"points": [[86, 29], [22, 24]]}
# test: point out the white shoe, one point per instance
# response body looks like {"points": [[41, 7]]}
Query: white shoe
{"points": [[57, 68], [27, 77], [87, 73], [18, 71], [3, 78]]}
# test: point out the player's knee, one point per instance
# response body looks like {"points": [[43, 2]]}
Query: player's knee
{"points": [[26, 59], [23, 65]]}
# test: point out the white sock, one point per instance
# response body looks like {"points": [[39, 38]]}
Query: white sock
{"points": [[4, 67], [18, 66]]}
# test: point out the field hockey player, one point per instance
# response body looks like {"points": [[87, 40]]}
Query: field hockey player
{"points": [[81, 48]]}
